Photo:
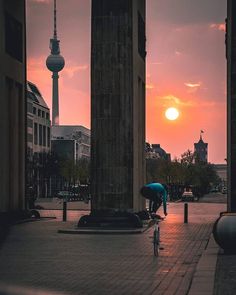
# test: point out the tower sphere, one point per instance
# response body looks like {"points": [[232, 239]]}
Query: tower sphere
{"points": [[55, 62]]}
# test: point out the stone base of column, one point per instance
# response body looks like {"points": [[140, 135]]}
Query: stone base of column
{"points": [[224, 232], [110, 219]]}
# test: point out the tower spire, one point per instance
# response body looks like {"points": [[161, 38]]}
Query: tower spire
{"points": [[201, 132], [55, 20], [55, 63]]}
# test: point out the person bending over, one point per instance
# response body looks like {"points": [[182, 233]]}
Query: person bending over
{"points": [[156, 194]]}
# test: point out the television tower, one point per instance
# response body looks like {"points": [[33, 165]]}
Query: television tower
{"points": [[55, 63]]}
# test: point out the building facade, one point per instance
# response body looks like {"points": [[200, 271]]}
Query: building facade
{"points": [[38, 143], [201, 151], [13, 105], [155, 151], [118, 104], [69, 144], [66, 149], [221, 170], [38, 121], [80, 135]]}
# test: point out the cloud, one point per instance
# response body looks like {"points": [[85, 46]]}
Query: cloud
{"points": [[171, 99], [178, 53], [193, 85], [71, 70], [156, 63], [150, 86], [220, 27]]}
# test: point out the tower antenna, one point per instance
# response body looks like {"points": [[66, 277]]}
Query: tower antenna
{"points": [[55, 19], [55, 63]]}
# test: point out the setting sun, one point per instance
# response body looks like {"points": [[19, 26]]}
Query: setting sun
{"points": [[172, 114]]}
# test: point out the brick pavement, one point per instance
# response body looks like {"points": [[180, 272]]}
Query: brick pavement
{"points": [[36, 256], [225, 280]]}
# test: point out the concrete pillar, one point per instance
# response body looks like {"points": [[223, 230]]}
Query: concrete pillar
{"points": [[118, 105], [231, 103], [55, 100], [13, 105]]}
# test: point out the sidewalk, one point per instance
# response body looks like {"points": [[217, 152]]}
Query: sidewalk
{"points": [[204, 277], [35, 256]]}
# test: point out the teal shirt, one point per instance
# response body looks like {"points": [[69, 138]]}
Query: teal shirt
{"points": [[158, 187]]}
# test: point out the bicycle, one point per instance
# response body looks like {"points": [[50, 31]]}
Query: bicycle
{"points": [[156, 236]]}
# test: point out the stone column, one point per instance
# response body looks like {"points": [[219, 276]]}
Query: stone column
{"points": [[13, 106], [224, 229], [231, 103], [118, 105]]}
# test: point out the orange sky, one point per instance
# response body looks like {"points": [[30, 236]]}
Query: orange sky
{"points": [[186, 68]]}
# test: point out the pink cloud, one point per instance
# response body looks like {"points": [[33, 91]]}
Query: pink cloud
{"points": [[193, 85], [70, 70], [220, 27], [170, 100], [178, 53], [150, 86]]}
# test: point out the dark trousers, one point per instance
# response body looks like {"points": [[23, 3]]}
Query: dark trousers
{"points": [[153, 206]]}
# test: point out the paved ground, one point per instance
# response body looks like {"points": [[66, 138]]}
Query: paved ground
{"points": [[54, 203], [225, 280], [35, 256], [214, 198]]}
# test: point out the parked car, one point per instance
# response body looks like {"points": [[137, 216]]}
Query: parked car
{"points": [[67, 195], [187, 196]]}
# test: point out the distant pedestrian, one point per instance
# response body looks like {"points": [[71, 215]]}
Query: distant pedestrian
{"points": [[156, 194]]}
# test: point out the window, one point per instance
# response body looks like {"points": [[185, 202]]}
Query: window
{"points": [[35, 133], [34, 110], [43, 114], [39, 113], [47, 116], [13, 37], [40, 135], [44, 135]]}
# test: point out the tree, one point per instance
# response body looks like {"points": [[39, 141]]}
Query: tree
{"points": [[75, 172], [182, 173], [83, 165]]}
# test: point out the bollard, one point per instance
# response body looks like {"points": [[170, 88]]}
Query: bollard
{"points": [[64, 210], [185, 212]]}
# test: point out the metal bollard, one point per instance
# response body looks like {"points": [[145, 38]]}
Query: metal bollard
{"points": [[64, 210], [185, 212]]}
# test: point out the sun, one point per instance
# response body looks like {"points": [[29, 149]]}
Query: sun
{"points": [[172, 114]]}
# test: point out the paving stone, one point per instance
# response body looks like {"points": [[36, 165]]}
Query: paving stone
{"points": [[34, 255]]}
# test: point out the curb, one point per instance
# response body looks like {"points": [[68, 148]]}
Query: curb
{"points": [[102, 231], [204, 276]]}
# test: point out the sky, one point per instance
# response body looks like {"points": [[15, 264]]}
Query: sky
{"points": [[185, 68]]}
